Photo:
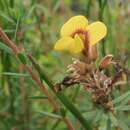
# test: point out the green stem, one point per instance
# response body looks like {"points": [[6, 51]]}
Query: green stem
{"points": [[1, 5], [87, 12], [61, 96], [6, 67], [6, 4], [11, 3], [2, 70], [10, 85], [102, 4]]}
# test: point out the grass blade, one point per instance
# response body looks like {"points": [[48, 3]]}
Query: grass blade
{"points": [[37, 97], [14, 74], [5, 48], [7, 18], [51, 115]]}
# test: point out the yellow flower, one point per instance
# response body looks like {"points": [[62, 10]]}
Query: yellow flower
{"points": [[77, 35]]}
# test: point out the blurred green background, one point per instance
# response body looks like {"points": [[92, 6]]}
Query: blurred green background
{"points": [[35, 25]]}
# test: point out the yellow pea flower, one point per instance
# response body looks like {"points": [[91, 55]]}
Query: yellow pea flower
{"points": [[76, 34]]}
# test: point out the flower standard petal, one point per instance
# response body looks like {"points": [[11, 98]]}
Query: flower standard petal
{"points": [[96, 31], [74, 23]]}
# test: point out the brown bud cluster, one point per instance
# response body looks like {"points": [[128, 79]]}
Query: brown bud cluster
{"points": [[94, 79]]}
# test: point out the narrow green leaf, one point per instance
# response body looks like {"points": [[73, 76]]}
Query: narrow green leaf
{"points": [[5, 48], [22, 58], [98, 116], [108, 124], [73, 110], [14, 74], [125, 101], [90, 115], [12, 3], [16, 29], [123, 108], [56, 5], [7, 18], [9, 30], [33, 8], [122, 125], [51, 115], [62, 111], [37, 97], [76, 92], [121, 98], [54, 127]]}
